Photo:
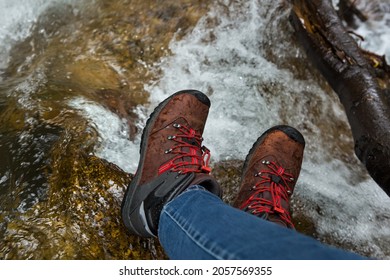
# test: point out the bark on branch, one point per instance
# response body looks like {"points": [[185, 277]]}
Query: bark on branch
{"points": [[360, 78]]}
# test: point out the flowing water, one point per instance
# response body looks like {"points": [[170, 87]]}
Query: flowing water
{"points": [[79, 79]]}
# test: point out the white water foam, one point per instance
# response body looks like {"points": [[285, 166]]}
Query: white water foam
{"points": [[114, 144], [376, 32]]}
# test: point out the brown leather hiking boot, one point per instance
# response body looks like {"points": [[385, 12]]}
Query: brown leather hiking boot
{"points": [[172, 159], [270, 172]]}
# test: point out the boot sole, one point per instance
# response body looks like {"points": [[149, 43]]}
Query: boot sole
{"points": [[133, 216]]}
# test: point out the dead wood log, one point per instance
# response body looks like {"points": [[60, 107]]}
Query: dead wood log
{"points": [[360, 78]]}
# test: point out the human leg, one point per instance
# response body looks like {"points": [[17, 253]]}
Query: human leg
{"points": [[199, 225]]}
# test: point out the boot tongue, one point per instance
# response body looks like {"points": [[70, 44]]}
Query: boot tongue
{"points": [[191, 141], [194, 150], [274, 216], [188, 135]]}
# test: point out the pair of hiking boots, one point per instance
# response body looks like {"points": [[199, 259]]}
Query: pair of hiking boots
{"points": [[172, 159]]}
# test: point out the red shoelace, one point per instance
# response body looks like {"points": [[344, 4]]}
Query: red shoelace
{"points": [[274, 181], [191, 149]]}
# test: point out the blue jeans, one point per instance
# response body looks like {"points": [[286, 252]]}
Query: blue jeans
{"points": [[199, 225]]}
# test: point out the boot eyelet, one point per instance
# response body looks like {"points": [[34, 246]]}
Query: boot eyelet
{"points": [[266, 162], [171, 137], [176, 125], [178, 174], [168, 151]]}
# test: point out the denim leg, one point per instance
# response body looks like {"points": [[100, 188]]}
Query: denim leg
{"points": [[199, 225]]}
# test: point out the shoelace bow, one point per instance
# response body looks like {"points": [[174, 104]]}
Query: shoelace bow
{"points": [[274, 181], [200, 155]]}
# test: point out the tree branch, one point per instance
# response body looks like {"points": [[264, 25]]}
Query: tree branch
{"points": [[360, 78]]}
